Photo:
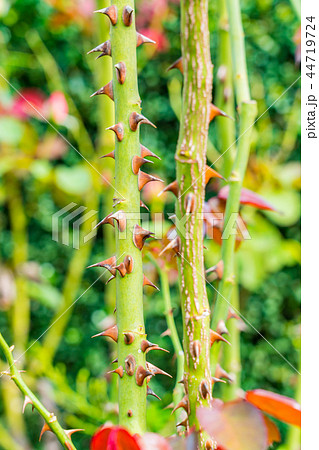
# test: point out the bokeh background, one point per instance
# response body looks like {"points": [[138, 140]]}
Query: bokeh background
{"points": [[43, 46]]}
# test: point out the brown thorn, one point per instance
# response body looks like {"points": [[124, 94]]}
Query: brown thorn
{"points": [[118, 130], [27, 401], [216, 337], [183, 423], [119, 371], [104, 48], [217, 380], [106, 90], [130, 364], [142, 205], [204, 389], [140, 235], [43, 430], [184, 403], [209, 445], [129, 263], [141, 374], [175, 245], [128, 337], [196, 349], [214, 112], [121, 269], [127, 16], [178, 64], [149, 391], [116, 360], [107, 220], [156, 370], [221, 373], [120, 218], [166, 333], [218, 269], [221, 328], [120, 72], [111, 12], [172, 187], [232, 314], [145, 152], [111, 332], [108, 155], [141, 39], [147, 282], [110, 279], [144, 178], [136, 119], [108, 264], [137, 162], [211, 173]]}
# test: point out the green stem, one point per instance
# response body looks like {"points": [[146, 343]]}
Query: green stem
{"points": [[247, 113], [48, 417], [129, 289], [178, 391], [191, 160]]}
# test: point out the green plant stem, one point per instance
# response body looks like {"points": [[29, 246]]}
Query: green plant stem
{"points": [[224, 93], [178, 391], [191, 160], [247, 113], [129, 289], [48, 417]]}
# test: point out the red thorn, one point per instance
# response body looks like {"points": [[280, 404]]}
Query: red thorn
{"points": [[144, 178], [111, 332], [118, 130], [147, 282], [211, 173], [172, 187], [111, 12], [120, 72], [178, 64], [127, 16], [140, 235], [214, 112], [106, 90], [136, 119], [137, 162]]}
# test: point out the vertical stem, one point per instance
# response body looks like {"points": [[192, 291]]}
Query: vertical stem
{"points": [[247, 113], [129, 289], [191, 160]]}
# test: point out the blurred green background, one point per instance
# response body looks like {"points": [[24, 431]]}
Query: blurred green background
{"points": [[43, 46]]}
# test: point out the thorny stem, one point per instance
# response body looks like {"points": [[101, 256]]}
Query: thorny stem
{"points": [[48, 417], [191, 160], [178, 391], [247, 113], [129, 289]]}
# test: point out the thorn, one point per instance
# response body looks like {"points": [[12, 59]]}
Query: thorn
{"points": [[217, 380], [120, 218], [145, 152], [175, 245], [142, 205], [108, 155], [211, 173], [140, 235], [221, 373], [141, 39], [136, 119], [127, 16], [118, 130], [119, 371], [137, 162], [172, 187], [128, 337], [110, 279], [189, 203], [232, 314], [122, 269], [130, 364], [111, 12], [108, 219], [195, 349], [147, 346], [141, 374], [107, 90], [43, 430], [183, 423], [214, 112], [117, 201], [144, 178], [218, 269], [221, 328], [120, 72], [108, 264], [27, 401], [149, 391], [111, 332], [184, 403], [129, 263], [70, 432], [156, 370], [178, 64], [216, 337], [104, 48], [204, 389], [116, 360], [166, 333], [147, 282]]}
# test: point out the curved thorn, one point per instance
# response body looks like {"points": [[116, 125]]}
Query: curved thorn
{"points": [[141, 39], [147, 282], [106, 90], [144, 178], [127, 16], [120, 72], [137, 163], [136, 119], [111, 332], [178, 64], [149, 391], [118, 130], [172, 187], [111, 12], [140, 235], [145, 152]]}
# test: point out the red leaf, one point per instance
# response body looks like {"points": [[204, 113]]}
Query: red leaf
{"points": [[235, 425], [113, 438], [283, 408], [248, 197]]}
